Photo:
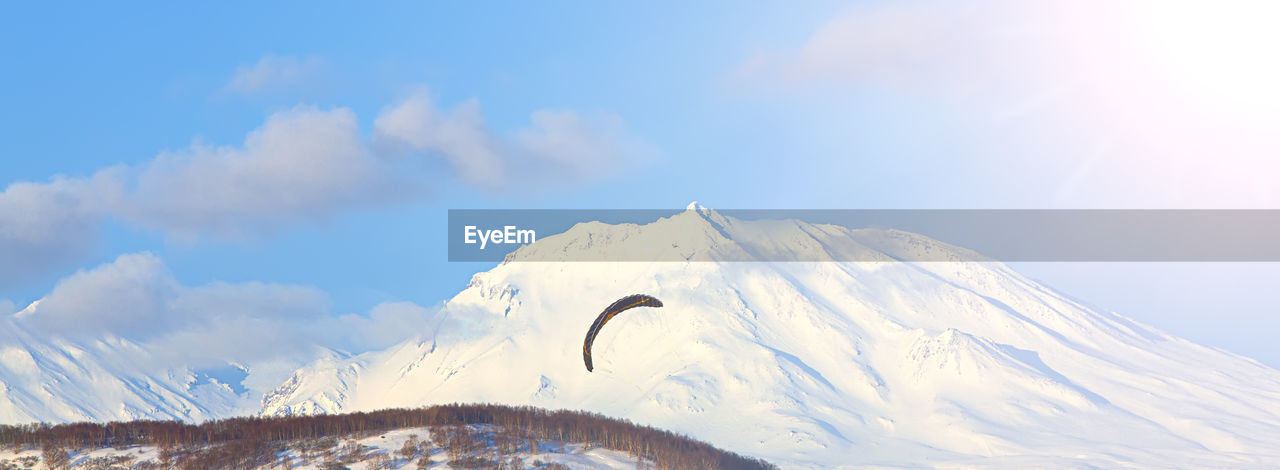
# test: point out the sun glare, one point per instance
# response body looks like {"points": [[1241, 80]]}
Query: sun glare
{"points": [[1224, 53]]}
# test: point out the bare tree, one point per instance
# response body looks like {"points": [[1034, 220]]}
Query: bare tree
{"points": [[55, 457]]}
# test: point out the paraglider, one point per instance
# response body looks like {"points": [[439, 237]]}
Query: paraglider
{"points": [[625, 303]]}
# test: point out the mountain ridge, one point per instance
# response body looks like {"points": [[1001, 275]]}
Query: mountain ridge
{"points": [[808, 363]]}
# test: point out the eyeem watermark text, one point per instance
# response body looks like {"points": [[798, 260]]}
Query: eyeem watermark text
{"points": [[509, 234]]}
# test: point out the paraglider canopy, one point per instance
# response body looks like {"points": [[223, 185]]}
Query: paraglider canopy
{"points": [[623, 304]]}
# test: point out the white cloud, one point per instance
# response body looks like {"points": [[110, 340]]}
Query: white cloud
{"points": [[557, 145], [565, 142], [127, 297], [933, 46], [239, 338], [44, 225], [385, 325], [458, 136], [137, 298], [273, 71], [37, 211], [303, 163]]}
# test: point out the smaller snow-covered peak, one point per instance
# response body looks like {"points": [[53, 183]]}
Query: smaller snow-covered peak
{"points": [[28, 311], [715, 219], [706, 215]]}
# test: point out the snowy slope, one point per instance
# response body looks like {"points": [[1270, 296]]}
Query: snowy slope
{"points": [[46, 379], [813, 364], [387, 444]]}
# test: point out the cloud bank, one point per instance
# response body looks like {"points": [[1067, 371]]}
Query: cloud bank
{"points": [[136, 297], [43, 225], [556, 146], [302, 164]]}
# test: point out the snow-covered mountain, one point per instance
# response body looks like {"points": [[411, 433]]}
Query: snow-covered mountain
{"points": [[56, 380], [45, 379], [819, 364]]}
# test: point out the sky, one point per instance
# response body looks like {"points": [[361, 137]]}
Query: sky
{"points": [[297, 160]]}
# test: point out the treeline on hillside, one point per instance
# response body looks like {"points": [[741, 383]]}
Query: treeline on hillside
{"points": [[256, 441]]}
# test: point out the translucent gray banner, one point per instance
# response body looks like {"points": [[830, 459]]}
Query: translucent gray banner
{"points": [[698, 234]]}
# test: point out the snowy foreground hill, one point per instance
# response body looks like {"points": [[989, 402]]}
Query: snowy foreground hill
{"points": [[820, 364], [378, 451]]}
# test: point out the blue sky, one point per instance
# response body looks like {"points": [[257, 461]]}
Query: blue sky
{"points": [[988, 104]]}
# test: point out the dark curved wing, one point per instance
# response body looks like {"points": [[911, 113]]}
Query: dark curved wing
{"points": [[623, 304]]}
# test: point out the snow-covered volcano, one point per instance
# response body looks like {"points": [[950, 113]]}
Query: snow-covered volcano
{"points": [[820, 364]]}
